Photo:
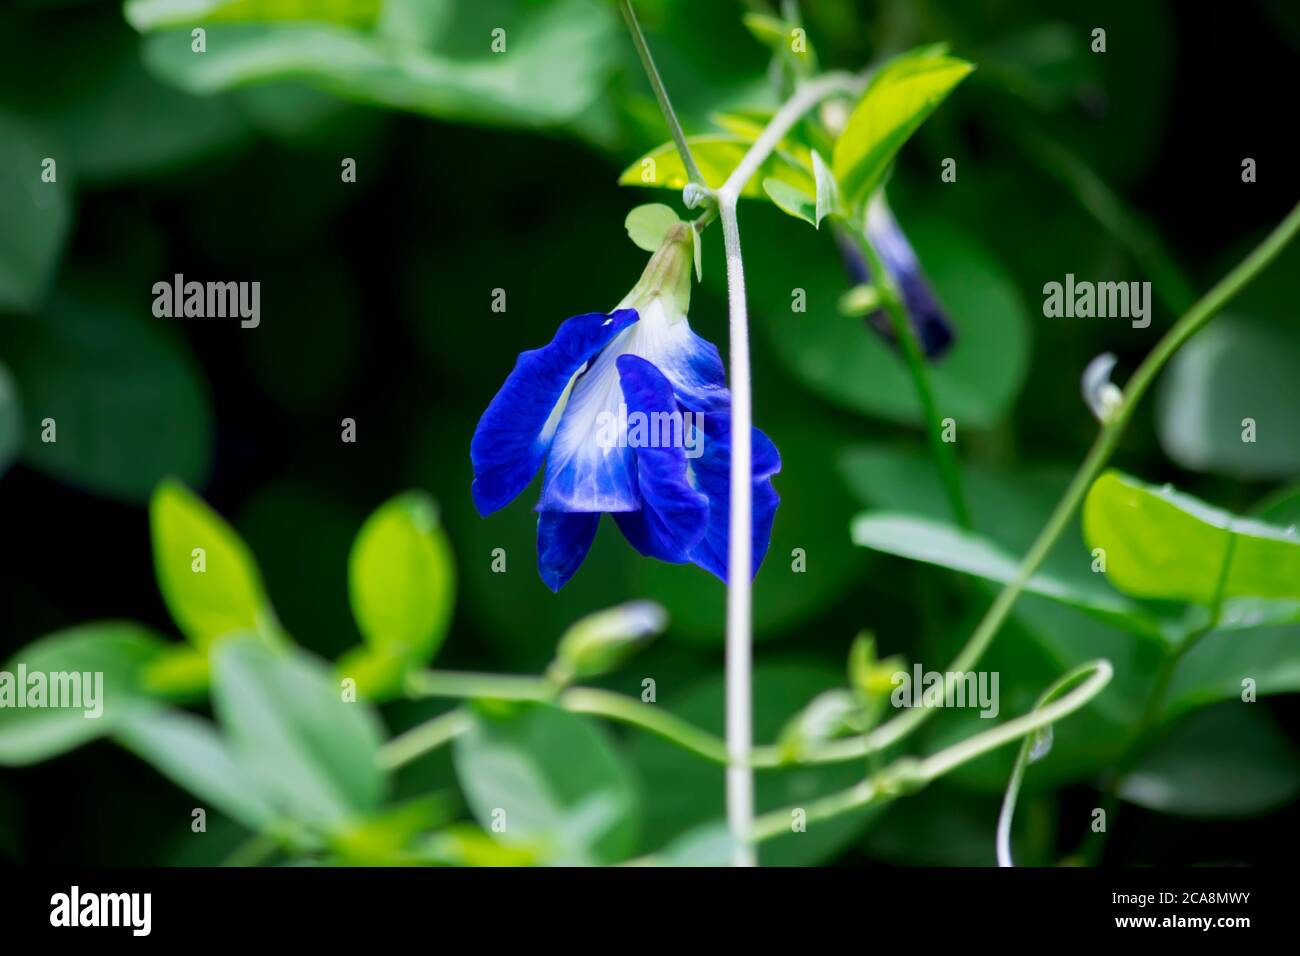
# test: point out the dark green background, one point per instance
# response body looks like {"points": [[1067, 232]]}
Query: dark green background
{"points": [[375, 303]]}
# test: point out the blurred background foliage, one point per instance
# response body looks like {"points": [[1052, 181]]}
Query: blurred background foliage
{"points": [[477, 172]]}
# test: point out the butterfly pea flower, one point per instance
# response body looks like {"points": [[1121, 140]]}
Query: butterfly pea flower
{"points": [[929, 323], [629, 414]]}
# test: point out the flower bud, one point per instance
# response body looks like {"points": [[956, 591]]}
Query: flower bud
{"points": [[600, 642]]}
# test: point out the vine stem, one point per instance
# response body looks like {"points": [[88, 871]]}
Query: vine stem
{"points": [[740, 567], [661, 94], [440, 730], [944, 457], [909, 774], [1192, 322]]}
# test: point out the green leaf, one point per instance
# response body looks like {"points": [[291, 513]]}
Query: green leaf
{"points": [[828, 190], [1282, 507], [124, 396], [559, 57], [1163, 544], [897, 100], [648, 224], [716, 155], [847, 363], [749, 125], [188, 751], [1216, 666], [151, 14], [225, 597], [944, 545], [792, 200], [36, 215], [772, 32], [1223, 762], [313, 755], [402, 578], [118, 650], [1233, 382], [550, 779], [709, 844]]}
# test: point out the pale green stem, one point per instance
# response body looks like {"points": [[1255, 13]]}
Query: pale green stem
{"points": [[423, 738], [944, 457], [661, 94], [434, 733], [909, 774], [1007, 813], [739, 645]]}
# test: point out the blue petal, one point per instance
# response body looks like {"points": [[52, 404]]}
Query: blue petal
{"points": [[517, 429], [712, 475], [588, 469], [673, 515], [690, 362], [929, 322], [563, 541]]}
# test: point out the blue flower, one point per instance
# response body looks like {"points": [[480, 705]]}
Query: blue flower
{"points": [[929, 323], [630, 414]]}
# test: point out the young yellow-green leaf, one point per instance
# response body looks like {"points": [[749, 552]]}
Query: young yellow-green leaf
{"points": [[791, 200], [402, 578], [648, 224], [180, 672], [378, 673], [154, 14], [899, 98], [1163, 544], [717, 156], [206, 573], [768, 30]]}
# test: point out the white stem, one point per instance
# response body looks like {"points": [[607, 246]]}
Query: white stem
{"points": [[740, 776], [740, 561], [804, 99]]}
